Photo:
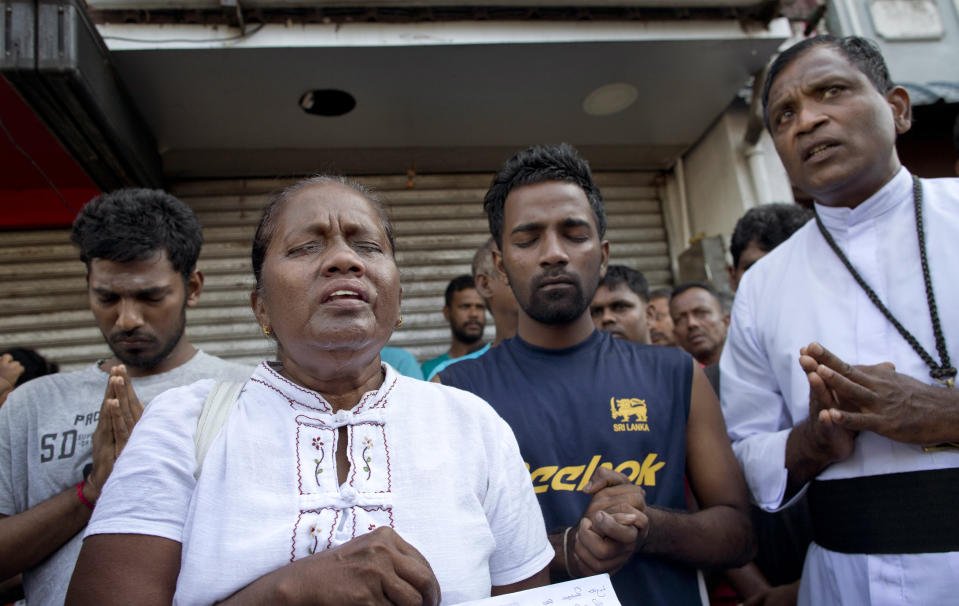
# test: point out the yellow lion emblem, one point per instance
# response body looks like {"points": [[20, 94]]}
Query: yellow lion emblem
{"points": [[624, 408]]}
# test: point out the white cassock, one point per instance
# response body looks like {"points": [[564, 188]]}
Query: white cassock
{"points": [[799, 293]]}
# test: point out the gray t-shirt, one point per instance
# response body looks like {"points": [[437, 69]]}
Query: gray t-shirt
{"points": [[46, 430]]}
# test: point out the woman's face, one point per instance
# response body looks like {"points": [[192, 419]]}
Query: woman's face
{"points": [[329, 277]]}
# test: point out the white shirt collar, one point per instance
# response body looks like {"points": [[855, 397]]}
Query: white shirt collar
{"points": [[267, 373], [897, 191]]}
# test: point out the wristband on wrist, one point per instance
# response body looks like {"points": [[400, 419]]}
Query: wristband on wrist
{"points": [[566, 551], [80, 496]]}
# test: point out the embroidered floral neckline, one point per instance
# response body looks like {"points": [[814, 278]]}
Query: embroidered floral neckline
{"points": [[300, 397]]}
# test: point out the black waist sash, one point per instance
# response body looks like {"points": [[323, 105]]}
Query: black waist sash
{"points": [[911, 512]]}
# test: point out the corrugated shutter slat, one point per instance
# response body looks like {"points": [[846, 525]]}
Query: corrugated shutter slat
{"points": [[439, 223]]}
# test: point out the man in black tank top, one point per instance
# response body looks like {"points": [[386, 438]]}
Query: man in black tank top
{"points": [[609, 428]]}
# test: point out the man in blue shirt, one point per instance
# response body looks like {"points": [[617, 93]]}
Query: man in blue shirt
{"points": [[610, 429]]}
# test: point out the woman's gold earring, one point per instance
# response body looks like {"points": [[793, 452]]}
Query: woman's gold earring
{"points": [[399, 322], [266, 331]]}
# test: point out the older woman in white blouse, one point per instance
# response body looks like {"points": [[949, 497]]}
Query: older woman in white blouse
{"points": [[334, 480]]}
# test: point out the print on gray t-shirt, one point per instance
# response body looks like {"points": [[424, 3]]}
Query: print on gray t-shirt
{"points": [[46, 430]]}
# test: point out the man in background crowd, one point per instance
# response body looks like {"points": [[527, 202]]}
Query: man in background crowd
{"points": [[699, 322], [465, 312], [620, 304], [494, 288], [760, 230], [659, 321]]}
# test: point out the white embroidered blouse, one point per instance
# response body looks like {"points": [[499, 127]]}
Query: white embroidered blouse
{"points": [[434, 463]]}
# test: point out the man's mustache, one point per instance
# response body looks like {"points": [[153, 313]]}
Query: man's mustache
{"points": [[131, 335], [554, 276]]}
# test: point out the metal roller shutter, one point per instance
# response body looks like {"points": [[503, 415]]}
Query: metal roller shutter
{"points": [[439, 224]]}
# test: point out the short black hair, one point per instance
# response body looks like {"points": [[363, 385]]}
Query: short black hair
{"points": [[540, 164], [861, 52], [660, 293], [696, 284], [34, 365], [133, 224], [267, 227], [769, 225], [633, 279], [457, 284]]}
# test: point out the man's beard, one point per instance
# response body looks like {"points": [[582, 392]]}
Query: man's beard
{"points": [[561, 306], [145, 359], [465, 337]]}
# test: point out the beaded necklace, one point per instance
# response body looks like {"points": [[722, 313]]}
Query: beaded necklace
{"points": [[944, 372]]}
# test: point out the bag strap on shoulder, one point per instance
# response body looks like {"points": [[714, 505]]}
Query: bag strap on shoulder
{"points": [[216, 410]]}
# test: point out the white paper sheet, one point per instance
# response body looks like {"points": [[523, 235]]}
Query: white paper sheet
{"points": [[589, 591]]}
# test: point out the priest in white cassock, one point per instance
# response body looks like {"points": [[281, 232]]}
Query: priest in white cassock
{"points": [[838, 374]]}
